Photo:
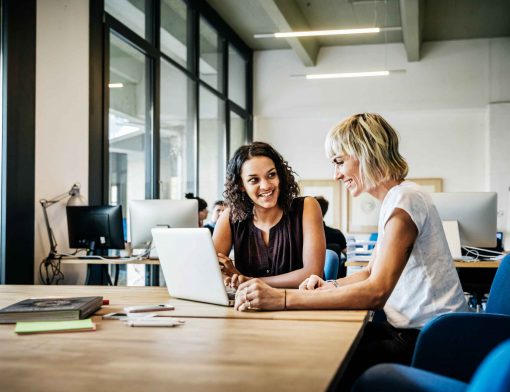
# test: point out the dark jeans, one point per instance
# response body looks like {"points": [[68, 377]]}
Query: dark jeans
{"points": [[380, 343]]}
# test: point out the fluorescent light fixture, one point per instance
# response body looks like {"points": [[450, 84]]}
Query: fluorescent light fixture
{"points": [[349, 74], [292, 34], [116, 85]]}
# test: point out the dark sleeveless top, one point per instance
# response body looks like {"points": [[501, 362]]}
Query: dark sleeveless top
{"points": [[284, 252]]}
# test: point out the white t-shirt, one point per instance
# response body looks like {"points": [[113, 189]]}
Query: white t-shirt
{"points": [[429, 284]]}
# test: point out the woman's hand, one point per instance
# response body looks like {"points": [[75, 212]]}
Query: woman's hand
{"points": [[227, 266], [315, 282], [235, 280], [255, 294]]}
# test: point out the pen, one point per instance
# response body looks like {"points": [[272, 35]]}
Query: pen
{"points": [[146, 323]]}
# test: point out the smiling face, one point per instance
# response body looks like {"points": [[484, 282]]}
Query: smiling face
{"points": [[347, 170], [260, 181]]}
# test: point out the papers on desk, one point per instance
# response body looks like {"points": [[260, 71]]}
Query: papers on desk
{"points": [[360, 258], [25, 328]]}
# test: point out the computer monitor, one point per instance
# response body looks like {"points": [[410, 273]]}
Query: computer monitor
{"points": [[475, 212], [95, 227], [145, 215]]}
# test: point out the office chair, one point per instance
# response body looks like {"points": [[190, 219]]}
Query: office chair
{"points": [[470, 335], [493, 374], [453, 345], [331, 265]]}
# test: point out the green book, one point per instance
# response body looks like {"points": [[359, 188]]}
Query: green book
{"points": [[54, 326]]}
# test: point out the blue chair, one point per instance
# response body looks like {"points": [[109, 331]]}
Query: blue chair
{"points": [[331, 265], [453, 345], [372, 237], [493, 374]]}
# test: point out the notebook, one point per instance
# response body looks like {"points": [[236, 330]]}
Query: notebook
{"points": [[190, 265]]}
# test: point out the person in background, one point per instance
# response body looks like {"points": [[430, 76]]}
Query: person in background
{"points": [[202, 208], [277, 236], [411, 275], [218, 207], [335, 240]]}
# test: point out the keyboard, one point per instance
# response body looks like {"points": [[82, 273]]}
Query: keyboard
{"points": [[231, 293]]}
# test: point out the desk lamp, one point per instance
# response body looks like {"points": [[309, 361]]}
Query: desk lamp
{"points": [[75, 199]]}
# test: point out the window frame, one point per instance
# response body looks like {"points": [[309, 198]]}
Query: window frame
{"points": [[101, 23]]}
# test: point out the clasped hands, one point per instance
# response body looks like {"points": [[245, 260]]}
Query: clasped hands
{"points": [[255, 294]]}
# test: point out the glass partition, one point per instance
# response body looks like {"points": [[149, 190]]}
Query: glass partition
{"points": [[211, 152], [210, 61], [129, 12], [174, 32]]}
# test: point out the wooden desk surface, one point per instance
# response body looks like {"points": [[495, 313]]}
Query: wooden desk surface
{"points": [[126, 296], [458, 264], [205, 354], [109, 261]]}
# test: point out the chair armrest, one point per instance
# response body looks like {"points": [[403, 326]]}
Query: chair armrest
{"points": [[455, 344]]}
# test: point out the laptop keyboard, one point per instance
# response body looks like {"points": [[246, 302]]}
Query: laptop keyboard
{"points": [[231, 293]]}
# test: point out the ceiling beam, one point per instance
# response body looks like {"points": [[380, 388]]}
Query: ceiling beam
{"points": [[287, 16], [411, 14]]}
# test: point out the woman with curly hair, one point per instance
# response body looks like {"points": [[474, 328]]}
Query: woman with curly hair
{"points": [[277, 236]]}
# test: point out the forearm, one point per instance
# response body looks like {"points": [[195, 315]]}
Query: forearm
{"points": [[354, 278], [291, 279], [361, 295]]}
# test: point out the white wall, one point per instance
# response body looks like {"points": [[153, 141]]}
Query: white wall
{"points": [[62, 117], [439, 105]]}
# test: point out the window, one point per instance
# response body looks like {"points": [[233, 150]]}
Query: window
{"points": [[210, 61], [211, 150], [171, 109], [177, 134], [129, 12], [174, 31]]}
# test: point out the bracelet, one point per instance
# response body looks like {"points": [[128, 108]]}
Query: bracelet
{"points": [[334, 282], [284, 299]]}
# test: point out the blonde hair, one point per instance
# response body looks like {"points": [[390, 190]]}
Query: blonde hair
{"points": [[371, 140]]}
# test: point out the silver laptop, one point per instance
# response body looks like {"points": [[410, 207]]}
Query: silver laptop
{"points": [[190, 265]]}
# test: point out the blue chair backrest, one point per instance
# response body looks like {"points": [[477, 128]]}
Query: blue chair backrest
{"points": [[499, 296], [372, 237], [331, 265], [494, 372]]}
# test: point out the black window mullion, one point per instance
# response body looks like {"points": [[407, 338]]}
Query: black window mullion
{"points": [[156, 31], [98, 52], [105, 142], [194, 44], [126, 34], [226, 111]]}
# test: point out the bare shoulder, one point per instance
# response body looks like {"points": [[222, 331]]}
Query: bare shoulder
{"points": [[311, 205]]}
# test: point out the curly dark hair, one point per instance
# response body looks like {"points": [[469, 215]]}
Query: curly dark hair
{"points": [[241, 206]]}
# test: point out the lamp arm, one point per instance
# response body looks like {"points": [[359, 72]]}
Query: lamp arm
{"points": [[53, 243]]}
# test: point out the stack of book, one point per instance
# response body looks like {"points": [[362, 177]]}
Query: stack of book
{"points": [[50, 309]]}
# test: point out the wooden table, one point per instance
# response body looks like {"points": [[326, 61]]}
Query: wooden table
{"points": [[458, 264], [249, 351]]}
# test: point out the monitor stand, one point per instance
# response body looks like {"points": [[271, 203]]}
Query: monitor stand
{"points": [[97, 274], [451, 230]]}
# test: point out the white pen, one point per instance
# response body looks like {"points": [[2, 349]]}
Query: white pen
{"points": [[147, 323]]}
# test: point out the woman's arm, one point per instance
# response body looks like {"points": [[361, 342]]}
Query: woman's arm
{"points": [[314, 248], [222, 239], [370, 293]]}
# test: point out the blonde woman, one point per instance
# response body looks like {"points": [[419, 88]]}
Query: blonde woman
{"points": [[411, 275]]}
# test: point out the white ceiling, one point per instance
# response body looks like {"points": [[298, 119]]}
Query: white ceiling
{"points": [[420, 20]]}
